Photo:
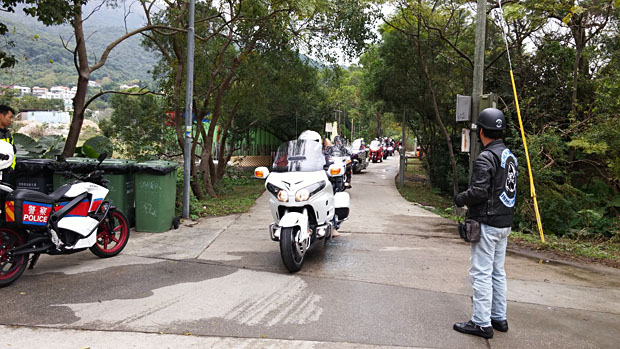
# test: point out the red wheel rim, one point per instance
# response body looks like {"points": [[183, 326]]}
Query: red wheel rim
{"points": [[112, 235], [9, 267]]}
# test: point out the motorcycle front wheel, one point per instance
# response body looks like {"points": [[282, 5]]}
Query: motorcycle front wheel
{"points": [[293, 261], [112, 235], [11, 267]]}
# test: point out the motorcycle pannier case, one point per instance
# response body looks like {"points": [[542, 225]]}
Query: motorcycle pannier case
{"points": [[27, 208]]}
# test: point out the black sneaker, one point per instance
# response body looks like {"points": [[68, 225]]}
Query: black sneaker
{"points": [[500, 325], [470, 327]]}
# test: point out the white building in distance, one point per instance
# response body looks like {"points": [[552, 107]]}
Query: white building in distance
{"points": [[23, 90], [50, 117]]}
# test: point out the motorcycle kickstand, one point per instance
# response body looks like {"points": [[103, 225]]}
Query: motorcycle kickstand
{"points": [[34, 260]]}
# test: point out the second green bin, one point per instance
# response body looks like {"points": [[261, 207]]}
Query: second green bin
{"points": [[155, 195], [120, 175]]}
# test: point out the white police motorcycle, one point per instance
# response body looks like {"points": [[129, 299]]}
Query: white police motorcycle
{"points": [[302, 201], [71, 219]]}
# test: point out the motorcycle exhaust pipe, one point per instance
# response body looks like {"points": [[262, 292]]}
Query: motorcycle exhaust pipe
{"points": [[18, 250], [22, 251]]}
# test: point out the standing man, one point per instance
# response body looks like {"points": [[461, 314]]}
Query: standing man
{"points": [[490, 199], [6, 119]]}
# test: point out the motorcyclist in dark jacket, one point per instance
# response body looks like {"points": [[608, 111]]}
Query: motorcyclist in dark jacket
{"points": [[491, 196], [490, 199]]}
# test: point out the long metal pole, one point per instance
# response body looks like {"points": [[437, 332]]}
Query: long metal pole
{"points": [[189, 89], [527, 153], [478, 80], [401, 173]]}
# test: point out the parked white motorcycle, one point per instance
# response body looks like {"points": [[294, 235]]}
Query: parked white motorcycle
{"points": [[71, 219], [302, 201]]}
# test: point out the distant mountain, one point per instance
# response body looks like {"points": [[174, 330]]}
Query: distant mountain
{"points": [[44, 61]]}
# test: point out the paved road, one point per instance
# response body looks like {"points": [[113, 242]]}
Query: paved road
{"points": [[397, 276]]}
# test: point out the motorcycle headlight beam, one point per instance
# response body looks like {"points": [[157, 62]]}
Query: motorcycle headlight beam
{"points": [[305, 193], [302, 195], [283, 195]]}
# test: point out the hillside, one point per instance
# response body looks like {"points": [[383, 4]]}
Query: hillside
{"points": [[44, 61]]}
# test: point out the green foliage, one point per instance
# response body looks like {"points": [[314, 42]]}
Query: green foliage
{"points": [[575, 152], [47, 147], [43, 61], [138, 127], [97, 145], [26, 145]]}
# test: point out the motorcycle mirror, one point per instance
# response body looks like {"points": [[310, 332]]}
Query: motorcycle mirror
{"points": [[261, 172]]}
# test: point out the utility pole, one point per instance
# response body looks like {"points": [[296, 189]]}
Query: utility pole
{"points": [[478, 81], [402, 153], [189, 116]]}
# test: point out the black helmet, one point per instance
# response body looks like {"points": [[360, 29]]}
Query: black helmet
{"points": [[491, 119]]}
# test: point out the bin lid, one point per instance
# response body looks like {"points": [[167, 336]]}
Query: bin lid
{"points": [[157, 167], [76, 164], [118, 166], [32, 165]]}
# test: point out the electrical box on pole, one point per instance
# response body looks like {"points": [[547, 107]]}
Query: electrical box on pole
{"points": [[463, 108]]}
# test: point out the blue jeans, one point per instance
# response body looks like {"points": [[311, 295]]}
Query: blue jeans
{"points": [[487, 275]]}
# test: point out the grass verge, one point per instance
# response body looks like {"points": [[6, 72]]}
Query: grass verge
{"points": [[417, 189], [236, 194]]}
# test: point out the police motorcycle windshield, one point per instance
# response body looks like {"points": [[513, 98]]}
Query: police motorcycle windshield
{"points": [[299, 156]]}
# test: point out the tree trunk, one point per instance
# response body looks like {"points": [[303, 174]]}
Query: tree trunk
{"points": [[579, 36], [81, 60], [223, 157], [379, 126]]}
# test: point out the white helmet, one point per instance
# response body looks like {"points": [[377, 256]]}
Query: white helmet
{"points": [[6, 148], [310, 135]]}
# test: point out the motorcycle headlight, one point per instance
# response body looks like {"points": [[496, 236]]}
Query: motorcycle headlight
{"points": [[272, 189], [305, 193], [283, 195], [302, 195]]}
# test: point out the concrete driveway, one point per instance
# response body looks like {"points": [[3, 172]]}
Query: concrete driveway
{"points": [[397, 276]]}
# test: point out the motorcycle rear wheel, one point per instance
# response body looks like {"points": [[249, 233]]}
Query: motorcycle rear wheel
{"points": [[11, 268], [112, 235], [288, 250]]}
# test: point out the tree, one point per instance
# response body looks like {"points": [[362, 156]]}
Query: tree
{"points": [[230, 35], [49, 12], [139, 123], [85, 68]]}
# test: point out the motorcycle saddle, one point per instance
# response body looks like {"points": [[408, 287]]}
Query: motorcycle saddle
{"points": [[60, 192]]}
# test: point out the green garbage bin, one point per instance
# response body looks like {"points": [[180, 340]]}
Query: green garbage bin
{"points": [[77, 165], [33, 174], [120, 176], [155, 195]]}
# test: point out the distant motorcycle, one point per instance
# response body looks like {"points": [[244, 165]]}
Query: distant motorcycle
{"points": [[376, 151], [340, 168], [359, 156], [340, 156], [71, 219], [303, 203]]}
